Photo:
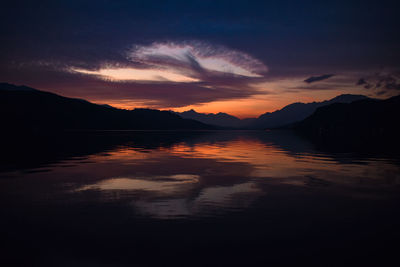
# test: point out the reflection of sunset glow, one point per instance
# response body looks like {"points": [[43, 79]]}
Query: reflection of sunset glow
{"points": [[204, 178], [270, 161], [265, 160]]}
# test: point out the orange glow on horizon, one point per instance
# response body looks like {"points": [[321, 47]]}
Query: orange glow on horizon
{"points": [[242, 108], [271, 96]]}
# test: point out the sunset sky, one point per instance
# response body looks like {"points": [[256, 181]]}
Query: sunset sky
{"points": [[240, 57]]}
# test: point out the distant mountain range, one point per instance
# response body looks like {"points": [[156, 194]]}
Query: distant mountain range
{"points": [[25, 109], [351, 117], [360, 122], [299, 111], [288, 115], [219, 119]]}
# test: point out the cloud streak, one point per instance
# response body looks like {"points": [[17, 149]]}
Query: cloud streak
{"points": [[313, 79]]}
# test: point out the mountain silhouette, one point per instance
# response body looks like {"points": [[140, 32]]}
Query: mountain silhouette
{"points": [[287, 115], [11, 87], [25, 108], [219, 119], [360, 122], [298, 111]]}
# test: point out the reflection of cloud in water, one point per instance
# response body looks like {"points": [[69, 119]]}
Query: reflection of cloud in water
{"points": [[168, 183], [209, 202], [220, 195], [168, 201], [166, 208]]}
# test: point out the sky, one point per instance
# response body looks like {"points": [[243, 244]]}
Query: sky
{"points": [[244, 58]]}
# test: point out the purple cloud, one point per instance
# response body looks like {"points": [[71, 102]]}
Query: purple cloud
{"points": [[382, 83]]}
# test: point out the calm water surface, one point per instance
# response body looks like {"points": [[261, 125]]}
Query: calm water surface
{"points": [[206, 198]]}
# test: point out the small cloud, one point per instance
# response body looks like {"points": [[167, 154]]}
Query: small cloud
{"points": [[318, 78], [393, 85], [381, 92], [382, 83], [361, 81]]}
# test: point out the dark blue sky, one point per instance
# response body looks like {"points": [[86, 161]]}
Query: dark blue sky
{"points": [[40, 40]]}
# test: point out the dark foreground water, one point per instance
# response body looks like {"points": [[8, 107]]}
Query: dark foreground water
{"points": [[196, 199]]}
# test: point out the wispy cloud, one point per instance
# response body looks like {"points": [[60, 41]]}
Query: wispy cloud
{"points": [[190, 61], [313, 79], [175, 74]]}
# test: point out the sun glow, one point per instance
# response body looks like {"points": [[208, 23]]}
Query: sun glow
{"points": [[132, 74]]}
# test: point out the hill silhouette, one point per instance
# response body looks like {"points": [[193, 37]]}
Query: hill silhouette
{"points": [[25, 108], [361, 122], [298, 111]]}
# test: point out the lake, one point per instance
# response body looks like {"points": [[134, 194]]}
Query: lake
{"points": [[246, 198]]}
